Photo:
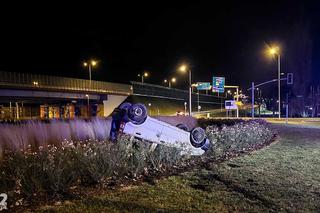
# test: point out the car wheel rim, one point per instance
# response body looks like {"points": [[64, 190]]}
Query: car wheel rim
{"points": [[138, 112], [198, 135]]}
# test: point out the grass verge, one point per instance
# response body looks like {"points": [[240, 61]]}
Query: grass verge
{"points": [[283, 177]]}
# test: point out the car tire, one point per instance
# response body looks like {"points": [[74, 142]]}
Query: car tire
{"points": [[198, 137], [137, 113], [183, 127], [125, 106]]}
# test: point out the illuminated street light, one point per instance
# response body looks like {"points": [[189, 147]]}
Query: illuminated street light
{"points": [[144, 75], [88, 104], [90, 65], [276, 51], [273, 51], [173, 80], [149, 104], [183, 68]]}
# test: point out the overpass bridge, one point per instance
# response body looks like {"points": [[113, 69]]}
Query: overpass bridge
{"points": [[22, 94], [19, 91]]}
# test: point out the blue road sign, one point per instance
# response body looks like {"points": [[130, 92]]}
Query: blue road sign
{"points": [[218, 84], [203, 86]]}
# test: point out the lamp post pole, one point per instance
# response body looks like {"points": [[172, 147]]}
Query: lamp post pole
{"points": [[89, 67], [190, 85], [184, 68], [90, 64], [275, 51], [279, 87], [198, 103], [88, 105], [237, 102], [145, 74], [252, 100], [88, 100]]}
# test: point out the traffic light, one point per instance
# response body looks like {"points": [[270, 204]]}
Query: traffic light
{"points": [[290, 78]]}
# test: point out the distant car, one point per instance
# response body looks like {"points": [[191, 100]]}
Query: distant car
{"points": [[179, 113], [133, 120]]}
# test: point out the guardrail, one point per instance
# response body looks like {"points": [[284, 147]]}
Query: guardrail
{"points": [[157, 91], [45, 82]]}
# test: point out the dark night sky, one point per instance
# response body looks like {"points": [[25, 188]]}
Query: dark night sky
{"points": [[224, 39]]}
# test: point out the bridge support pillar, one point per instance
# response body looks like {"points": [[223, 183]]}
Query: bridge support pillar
{"points": [[111, 103]]}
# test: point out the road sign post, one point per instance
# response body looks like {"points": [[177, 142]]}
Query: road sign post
{"points": [[203, 86], [218, 84], [230, 105], [237, 96]]}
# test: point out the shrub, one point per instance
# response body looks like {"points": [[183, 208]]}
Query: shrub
{"points": [[205, 122], [52, 171], [240, 137]]}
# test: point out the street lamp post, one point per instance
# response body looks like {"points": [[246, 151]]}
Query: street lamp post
{"points": [[279, 86], [173, 80], [166, 81], [88, 105], [190, 88], [90, 65], [275, 51], [143, 75], [149, 104], [184, 68], [199, 107]]}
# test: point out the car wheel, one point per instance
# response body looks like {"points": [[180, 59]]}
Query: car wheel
{"points": [[198, 137], [125, 106], [137, 113], [183, 127]]}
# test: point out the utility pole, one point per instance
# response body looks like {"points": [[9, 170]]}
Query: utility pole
{"points": [[252, 100], [237, 101], [287, 108]]}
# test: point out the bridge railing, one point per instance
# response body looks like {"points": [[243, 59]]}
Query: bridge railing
{"points": [[157, 91], [44, 82]]}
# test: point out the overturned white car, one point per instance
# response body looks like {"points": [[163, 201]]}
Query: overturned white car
{"points": [[132, 119]]}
